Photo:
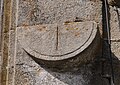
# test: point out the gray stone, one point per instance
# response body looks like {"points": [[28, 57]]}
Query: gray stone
{"points": [[114, 2], [57, 41], [54, 43], [32, 12], [26, 69]]}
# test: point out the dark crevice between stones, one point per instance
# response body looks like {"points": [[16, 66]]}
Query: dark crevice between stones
{"points": [[105, 66], [115, 3]]}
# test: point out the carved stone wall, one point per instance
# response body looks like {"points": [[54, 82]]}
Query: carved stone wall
{"points": [[20, 68]]}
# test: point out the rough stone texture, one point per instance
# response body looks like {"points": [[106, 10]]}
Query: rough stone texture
{"points": [[54, 42], [27, 72], [1, 9], [115, 30], [70, 45], [12, 46], [115, 33], [6, 24], [1, 5], [114, 2], [11, 59], [33, 12], [0, 65]]}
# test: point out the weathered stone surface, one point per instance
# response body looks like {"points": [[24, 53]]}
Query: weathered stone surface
{"points": [[37, 12], [114, 2], [56, 44], [1, 9], [29, 72], [33, 12], [115, 30], [6, 24], [1, 12]]}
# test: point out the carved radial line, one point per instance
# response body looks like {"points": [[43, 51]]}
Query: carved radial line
{"points": [[57, 34]]}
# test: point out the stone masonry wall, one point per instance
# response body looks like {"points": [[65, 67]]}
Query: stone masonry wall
{"points": [[18, 68]]}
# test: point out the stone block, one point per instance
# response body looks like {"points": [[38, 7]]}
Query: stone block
{"points": [[53, 44]]}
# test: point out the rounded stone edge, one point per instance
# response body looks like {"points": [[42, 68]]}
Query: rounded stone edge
{"points": [[74, 63], [37, 55]]}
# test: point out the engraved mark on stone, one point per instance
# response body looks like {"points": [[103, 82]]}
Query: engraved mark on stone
{"points": [[57, 40]]}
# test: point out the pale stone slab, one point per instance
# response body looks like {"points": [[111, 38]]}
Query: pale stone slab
{"points": [[52, 41], [69, 44], [38, 12]]}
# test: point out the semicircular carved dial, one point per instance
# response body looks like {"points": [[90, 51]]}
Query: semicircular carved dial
{"points": [[56, 40]]}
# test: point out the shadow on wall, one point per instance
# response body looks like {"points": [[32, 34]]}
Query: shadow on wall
{"points": [[83, 75], [80, 75], [116, 67], [90, 73], [103, 67], [115, 3]]}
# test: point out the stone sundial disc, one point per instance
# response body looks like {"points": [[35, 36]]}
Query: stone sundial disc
{"points": [[57, 41]]}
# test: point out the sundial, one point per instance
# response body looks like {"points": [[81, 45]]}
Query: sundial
{"points": [[58, 33], [57, 41]]}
